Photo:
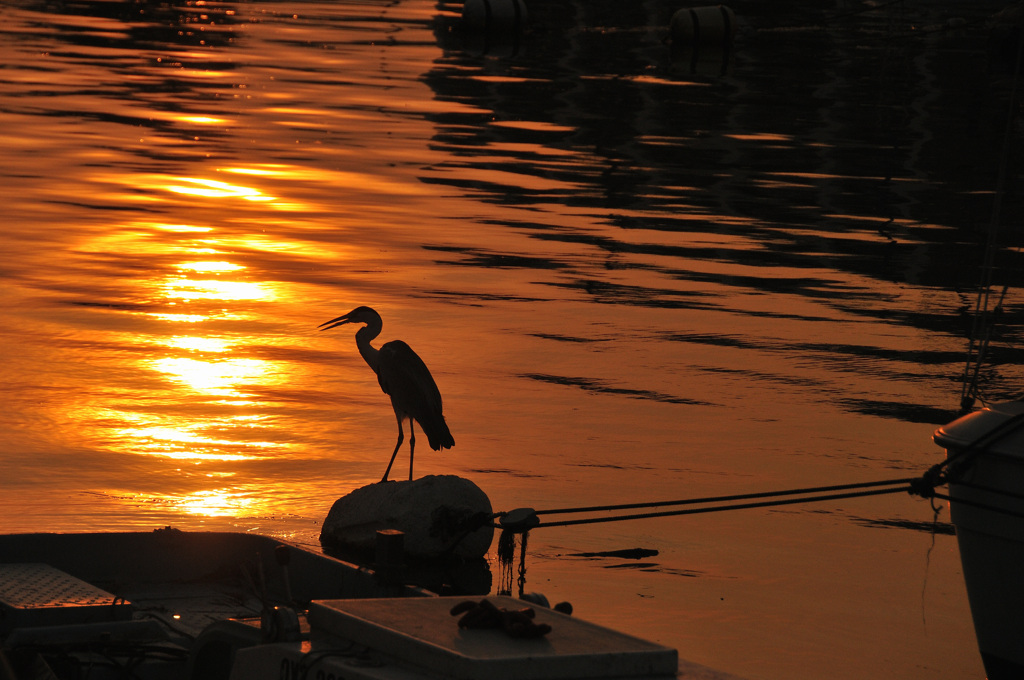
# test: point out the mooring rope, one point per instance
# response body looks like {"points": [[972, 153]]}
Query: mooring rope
{"points": [[521, 521], [923, 485], [735, 506], [734, 497], [527, 518]]}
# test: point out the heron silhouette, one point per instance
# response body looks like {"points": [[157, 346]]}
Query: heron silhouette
{"points": [[404, 377]]}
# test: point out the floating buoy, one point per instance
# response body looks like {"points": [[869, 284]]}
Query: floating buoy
{"points": [[494, 27], [702, 39], [433, 516]]}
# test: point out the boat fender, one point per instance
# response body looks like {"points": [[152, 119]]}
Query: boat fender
{"points": [[519, 520], [701, 39], [541, 600], [494, 27], [536, 598]]}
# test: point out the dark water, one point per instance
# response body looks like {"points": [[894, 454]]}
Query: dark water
{"points": [[631, 283]]}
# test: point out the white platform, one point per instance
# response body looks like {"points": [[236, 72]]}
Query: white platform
{"points": [[422, 633]]}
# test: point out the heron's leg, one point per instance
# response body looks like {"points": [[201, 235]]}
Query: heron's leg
{"points": [[401, 438], [412, 444]]}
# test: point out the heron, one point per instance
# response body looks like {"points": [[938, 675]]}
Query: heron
{"points": [[404, 377]]}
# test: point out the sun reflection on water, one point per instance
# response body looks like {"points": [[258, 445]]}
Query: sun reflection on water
{"points": [[209, 266], [199, 344], [178, 318], [182, 445], [213, 377], [204, 411], [216, 503], [197, 439], [182, 228], [203, 120], [212, 188], [214, 289], [187, 323], [221, 502]]}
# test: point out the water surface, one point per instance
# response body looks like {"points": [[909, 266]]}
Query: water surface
{"points": [[630, 282]]}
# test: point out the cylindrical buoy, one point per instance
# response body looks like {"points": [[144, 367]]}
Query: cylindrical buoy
{"points": [[494, 27], [702, 39]]}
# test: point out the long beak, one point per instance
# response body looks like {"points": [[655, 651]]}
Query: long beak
{"points": [[338, 321]]}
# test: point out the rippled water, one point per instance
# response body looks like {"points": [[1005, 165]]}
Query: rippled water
{"points": [[631, 283]]}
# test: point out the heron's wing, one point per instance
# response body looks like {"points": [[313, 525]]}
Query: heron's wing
{"points": [[404, 377]]}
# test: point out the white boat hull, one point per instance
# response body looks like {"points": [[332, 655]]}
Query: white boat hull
{"points": [[986, 450]]}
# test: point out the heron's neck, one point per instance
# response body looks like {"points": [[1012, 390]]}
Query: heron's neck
{"points": [[363, 337]]}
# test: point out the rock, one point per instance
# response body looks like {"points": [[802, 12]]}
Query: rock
{"points": [[434, 512]]}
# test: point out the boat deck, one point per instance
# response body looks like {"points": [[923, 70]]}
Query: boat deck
{"points": [[167, 604], [422, 632]]}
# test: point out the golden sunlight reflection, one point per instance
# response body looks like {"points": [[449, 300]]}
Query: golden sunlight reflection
{"points": [[198, 364], [177, 318], [209, 266], [184, 228], [213, 377], [224, 502], [179, 444], [203, 120], [215, 503], [367, 182], [187, 289], [267, 170], [198, 344], [212, 188], [202, 410], [226, 438]]}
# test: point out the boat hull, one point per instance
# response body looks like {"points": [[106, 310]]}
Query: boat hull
{"points": [[170, 604], [986, 454]]}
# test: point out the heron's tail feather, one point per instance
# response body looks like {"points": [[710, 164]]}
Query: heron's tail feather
{"points": [[438, 434]]}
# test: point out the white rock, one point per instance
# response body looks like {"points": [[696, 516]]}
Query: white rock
{"points": [[432, 512]]}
